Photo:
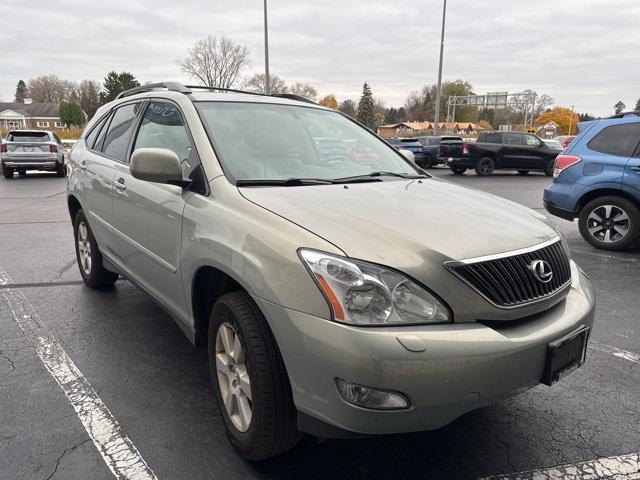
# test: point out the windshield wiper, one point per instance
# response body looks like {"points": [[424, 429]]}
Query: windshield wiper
{"points": [[276, 182], [373, 177]]}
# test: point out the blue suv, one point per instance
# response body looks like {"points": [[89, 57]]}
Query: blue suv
{"points": [[597, 180]]}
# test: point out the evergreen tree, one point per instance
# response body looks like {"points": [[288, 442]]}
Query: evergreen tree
{"points": [[71, 113], [21, 92], [366, 108], [638, 105], [116, 83], [619, 107]]}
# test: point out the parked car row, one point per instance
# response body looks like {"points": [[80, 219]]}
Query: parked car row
{"points": [[430, 151]]}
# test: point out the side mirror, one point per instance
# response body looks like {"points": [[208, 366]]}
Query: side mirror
{"points": [[408, 154], [159, 165]]}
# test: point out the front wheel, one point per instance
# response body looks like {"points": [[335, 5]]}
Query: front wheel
{"points": [[7, 172], [610, 223], [485, 167], [250, 380], [89, 257], [457, 169]]}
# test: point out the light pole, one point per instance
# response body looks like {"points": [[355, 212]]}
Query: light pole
{"points": [[571, 120], [436, 129], [267, 81]]}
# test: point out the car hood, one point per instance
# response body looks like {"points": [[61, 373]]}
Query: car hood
{"points": [[400, 223]]}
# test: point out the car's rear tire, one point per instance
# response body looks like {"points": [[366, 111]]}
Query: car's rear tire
{"points": [[61, 170], [88, 255], [457, 169], [610, 223], [523, 172], [427, 163], [250, 380], [7, 172], [22, 173], [485, 167], [550, 167]]}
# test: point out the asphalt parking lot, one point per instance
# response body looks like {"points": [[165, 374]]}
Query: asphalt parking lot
{"points": [[156, 384]]}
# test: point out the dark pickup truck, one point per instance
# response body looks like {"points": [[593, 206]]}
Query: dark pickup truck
{"points": [[440, 149], [505, 151]]}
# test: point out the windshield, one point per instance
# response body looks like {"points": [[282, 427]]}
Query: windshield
{"points": [[28, 137], [280, 142]]}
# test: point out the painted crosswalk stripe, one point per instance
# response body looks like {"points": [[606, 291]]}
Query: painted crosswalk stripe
{"points": [[115, 447]]}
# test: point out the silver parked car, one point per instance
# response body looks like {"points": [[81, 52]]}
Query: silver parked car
{"points": [[331, 298], [31, 150]]}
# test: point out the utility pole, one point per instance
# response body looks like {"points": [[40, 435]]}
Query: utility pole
{"points": [[571, 120], [267, 81], [436, 129]]}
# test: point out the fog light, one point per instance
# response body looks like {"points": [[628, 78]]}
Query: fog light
{"points": [[368, 397]]}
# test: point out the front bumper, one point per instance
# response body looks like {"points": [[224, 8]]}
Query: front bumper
{"points": [[464, 366]]}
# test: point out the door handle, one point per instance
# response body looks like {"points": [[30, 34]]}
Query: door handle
{"points": [[120, 184], [83, 165], [635, 169]]}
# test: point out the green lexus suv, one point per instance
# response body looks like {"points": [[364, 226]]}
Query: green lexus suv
{"points": [[339, 289]]}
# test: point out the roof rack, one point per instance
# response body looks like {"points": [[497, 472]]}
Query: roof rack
{"points": [[172, 86], [187, 89], [222, 89], [624, 114], [293, 96]]}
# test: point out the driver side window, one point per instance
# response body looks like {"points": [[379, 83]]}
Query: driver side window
{"points": [[531, 141], [163, 127]]}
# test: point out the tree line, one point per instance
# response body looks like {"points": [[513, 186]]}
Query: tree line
{"points": [[220, 62]]}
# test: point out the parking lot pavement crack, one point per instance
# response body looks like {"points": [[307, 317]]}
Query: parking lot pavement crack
{"points": [[11, 363], [64, 452]]}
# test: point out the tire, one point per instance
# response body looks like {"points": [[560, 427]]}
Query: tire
{"points": [[88, 255], [550, 167], [7, 172], [426, 163], [523, 172], [485, 167], [61, 170], [616, 232], [457, 169], [22, 173], [272, 426]]}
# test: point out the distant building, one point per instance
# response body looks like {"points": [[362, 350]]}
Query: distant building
{"points": [[35, 116], [426, 128]]}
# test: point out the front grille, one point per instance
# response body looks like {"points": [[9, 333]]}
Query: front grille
{"points": [[509, 280]]}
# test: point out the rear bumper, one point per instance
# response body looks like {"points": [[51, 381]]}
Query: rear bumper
{"points": [[33, 164], [557, 211], [559, 200], [463, 366]]}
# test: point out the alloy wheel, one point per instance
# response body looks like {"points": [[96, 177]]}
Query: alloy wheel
{"points": [[233, 377], [84, 248], [608, 223]]}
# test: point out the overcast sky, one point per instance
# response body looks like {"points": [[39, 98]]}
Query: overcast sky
{"points": [[582, 52]]}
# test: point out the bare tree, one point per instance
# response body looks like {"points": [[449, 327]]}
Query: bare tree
{"points": [[304, 90], [51, 89], [215, 61], [89, 92], [257, 84]]}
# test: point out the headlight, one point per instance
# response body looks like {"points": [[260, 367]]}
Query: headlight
{"points": [[361, 293]]}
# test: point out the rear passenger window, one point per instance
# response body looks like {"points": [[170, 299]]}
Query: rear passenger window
{"points": [[163, 127], [618, 140], [91, 138], [513, 139], [116, 141], [493, 138]]}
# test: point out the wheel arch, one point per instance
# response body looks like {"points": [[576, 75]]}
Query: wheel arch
{"points": [[601, 192], [74, 206], [208, 284]]}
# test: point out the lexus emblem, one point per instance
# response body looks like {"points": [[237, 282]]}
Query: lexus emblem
{"points": [[541, 270]]}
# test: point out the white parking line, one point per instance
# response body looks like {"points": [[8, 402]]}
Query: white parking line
{"points": [[624, 467], [117, 450], [616, 352]]}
